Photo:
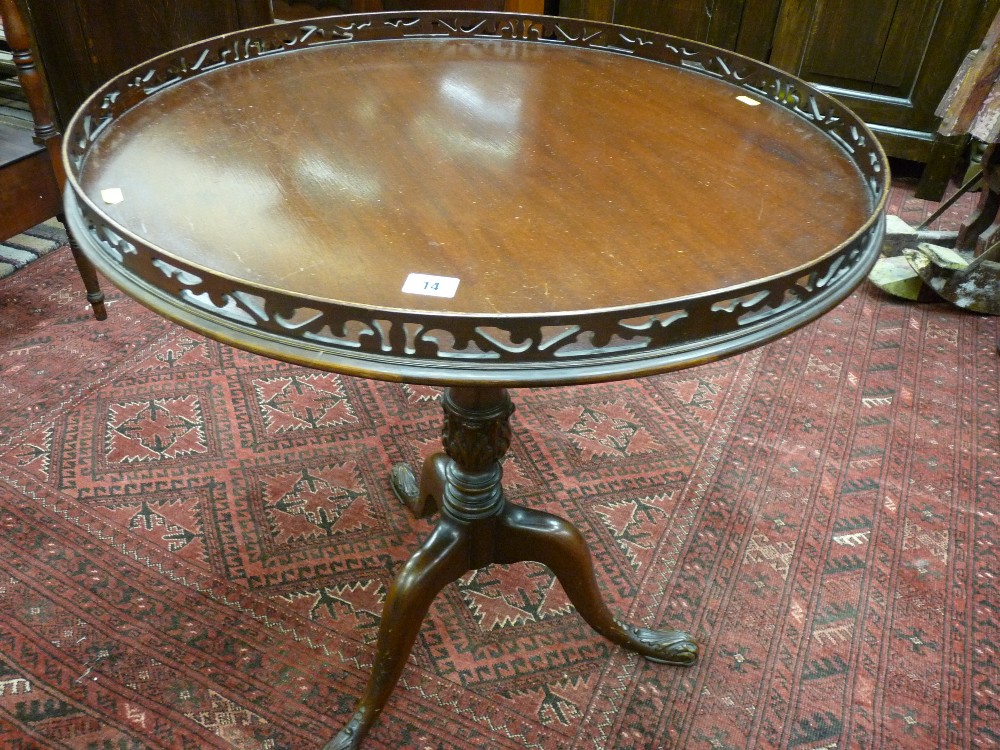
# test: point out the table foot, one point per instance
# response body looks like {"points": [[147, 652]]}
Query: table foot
{"points": [[673, 647], [351, 736], [423, 498], [535, 536]]}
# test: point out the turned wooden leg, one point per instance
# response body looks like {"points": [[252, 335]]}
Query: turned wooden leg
{"points": [[531, 535], [465, 486], [89, 275], [439, 561]]}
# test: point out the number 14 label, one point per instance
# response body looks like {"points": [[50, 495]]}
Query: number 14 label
{"points": [[432, 286]]}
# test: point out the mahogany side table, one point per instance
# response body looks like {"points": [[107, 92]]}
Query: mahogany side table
{"points": [[482, 202]]}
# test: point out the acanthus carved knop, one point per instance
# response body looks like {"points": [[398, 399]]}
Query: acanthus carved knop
{"points": [[476, 443]]}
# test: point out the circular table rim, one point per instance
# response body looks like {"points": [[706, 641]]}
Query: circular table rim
{"points": [[396, 344]]}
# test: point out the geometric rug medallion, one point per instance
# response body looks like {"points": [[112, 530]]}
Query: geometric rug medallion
{"points": [[197, 543]]}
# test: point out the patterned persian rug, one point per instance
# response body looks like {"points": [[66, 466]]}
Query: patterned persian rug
{"points": [[196, 543], [21, 249]]}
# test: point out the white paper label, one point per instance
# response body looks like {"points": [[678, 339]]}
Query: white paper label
{"points": [[431, 286], [112, 195], [747, 100]]}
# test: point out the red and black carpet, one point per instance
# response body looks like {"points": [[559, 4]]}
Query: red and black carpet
{"points": [[195, 544]]}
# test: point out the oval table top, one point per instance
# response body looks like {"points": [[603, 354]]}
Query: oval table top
{"points": [[475, 198]]}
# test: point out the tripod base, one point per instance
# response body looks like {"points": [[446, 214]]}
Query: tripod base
{"points": [[477, 527]]}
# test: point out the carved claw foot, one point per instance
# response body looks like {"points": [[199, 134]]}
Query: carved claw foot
{"points": [[350, 737], [422, 496], [404, 485], [406, 489], [662, 646]]}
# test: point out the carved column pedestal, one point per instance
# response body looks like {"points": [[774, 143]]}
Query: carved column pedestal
{"points": [[478, 527]]}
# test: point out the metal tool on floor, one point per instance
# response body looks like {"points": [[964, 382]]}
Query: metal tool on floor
{"points": [[961, 267]]}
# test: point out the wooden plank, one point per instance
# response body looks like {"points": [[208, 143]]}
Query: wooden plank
{"points": [[686, 18], [840, 25], [253, 13], [525, 6], [594, 10], [986, 126], [791, 34], [976, 82], [757, 28], [288, 10], [905, 45]]}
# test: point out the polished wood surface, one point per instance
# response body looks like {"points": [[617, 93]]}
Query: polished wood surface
{"points": [[544, 178], [610, 203], [889, 62], [477, 527], [289, 9], [30, 195]]}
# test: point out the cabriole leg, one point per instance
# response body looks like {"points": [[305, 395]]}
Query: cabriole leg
{"points": [[530, 535], [439, 561]]}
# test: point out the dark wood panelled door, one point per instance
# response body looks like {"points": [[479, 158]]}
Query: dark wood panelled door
{"points": [[713, 22], [889, 60]]}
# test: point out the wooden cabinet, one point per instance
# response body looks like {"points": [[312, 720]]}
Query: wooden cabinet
{"points": [[82, 43], [717, 22], [889, 60]]}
